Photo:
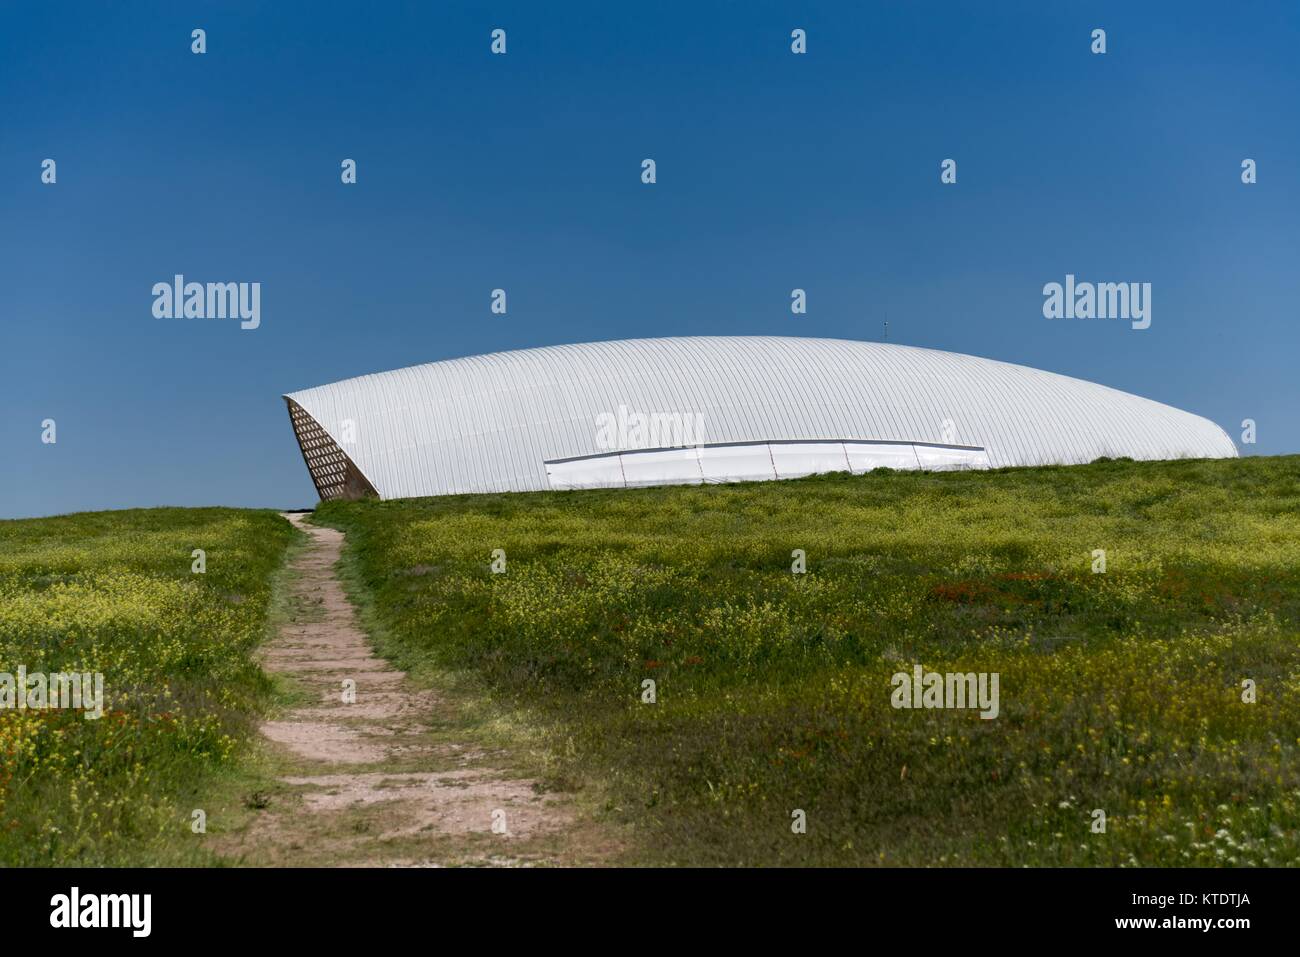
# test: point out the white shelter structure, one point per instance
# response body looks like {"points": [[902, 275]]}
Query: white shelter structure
{"points": [[713, 409]]}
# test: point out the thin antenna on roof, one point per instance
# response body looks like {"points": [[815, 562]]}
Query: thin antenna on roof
{"points": [[886, 327]]}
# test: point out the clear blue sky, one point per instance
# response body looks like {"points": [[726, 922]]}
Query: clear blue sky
{"points": [[522, 171]]}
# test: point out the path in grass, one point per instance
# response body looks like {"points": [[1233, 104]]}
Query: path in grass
{"points": [[388, 778]]}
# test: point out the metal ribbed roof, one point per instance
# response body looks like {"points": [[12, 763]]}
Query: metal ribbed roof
{"points": [[490, 423]]}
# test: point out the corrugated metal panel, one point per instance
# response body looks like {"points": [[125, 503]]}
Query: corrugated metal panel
{"points": [[491, 423]]}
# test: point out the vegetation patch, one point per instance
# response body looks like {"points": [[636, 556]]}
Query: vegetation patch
{"points": [[117, 594], [1121, 691]]}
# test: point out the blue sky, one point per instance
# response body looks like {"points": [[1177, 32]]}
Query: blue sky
{"points": [[522, 171]]}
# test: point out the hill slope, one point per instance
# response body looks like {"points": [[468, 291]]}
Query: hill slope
{"points": [[1120, 691], [117, 594]]}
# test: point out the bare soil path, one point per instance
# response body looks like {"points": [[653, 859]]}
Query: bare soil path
{"points": [[374, 771]]}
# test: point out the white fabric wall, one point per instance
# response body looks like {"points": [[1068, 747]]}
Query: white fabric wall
{"points": [[765, 461]]}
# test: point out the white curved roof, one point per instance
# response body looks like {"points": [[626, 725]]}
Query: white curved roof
{"points": [[492, 423]]}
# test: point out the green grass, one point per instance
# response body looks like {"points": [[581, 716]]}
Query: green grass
{"points": [[1120, 691], [114, 593]]}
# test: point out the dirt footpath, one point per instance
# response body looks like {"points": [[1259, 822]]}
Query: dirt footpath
{"points": [[373, 771]]}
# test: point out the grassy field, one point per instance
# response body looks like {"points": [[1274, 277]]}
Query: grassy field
{"points": [[115, 593], [1120, 691]]}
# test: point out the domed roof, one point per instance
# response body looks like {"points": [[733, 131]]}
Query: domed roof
{"points": [[594, 414]]}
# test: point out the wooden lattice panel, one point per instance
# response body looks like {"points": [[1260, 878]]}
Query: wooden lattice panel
{"points": [[332, 472]]}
